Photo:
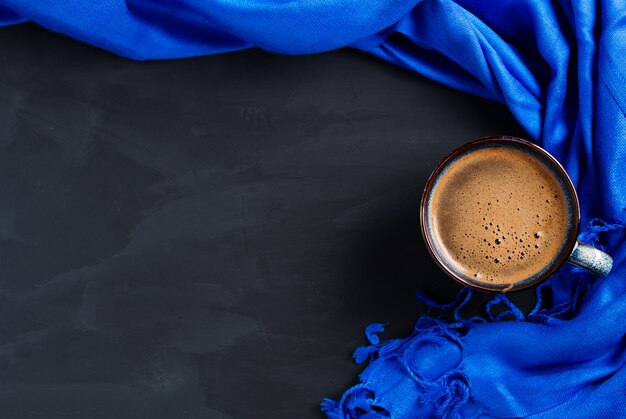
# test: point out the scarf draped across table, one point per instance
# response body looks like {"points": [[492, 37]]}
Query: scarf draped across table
{"points": [[559, 66]]}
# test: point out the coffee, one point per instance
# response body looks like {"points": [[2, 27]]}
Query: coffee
{"points": [[499, 215]]}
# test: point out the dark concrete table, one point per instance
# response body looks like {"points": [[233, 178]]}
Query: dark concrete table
{"points": [[208, 238]]}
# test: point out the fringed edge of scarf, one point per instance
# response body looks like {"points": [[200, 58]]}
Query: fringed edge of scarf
{"points": [[448, 393]]}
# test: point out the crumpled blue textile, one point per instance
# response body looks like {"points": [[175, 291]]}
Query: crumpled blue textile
{"points": [[560, 67]]}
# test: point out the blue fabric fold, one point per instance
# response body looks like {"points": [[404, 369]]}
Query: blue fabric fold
{"points": [[560, 68]]}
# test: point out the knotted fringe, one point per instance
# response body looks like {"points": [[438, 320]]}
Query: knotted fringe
{"points": [[595, 227], [446, 393], [357, 402], [450, 391]]}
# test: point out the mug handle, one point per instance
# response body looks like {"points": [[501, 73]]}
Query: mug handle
{"points": [[593, 260]]}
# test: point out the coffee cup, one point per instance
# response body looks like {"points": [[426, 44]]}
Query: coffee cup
{"points": [[501, 214]]}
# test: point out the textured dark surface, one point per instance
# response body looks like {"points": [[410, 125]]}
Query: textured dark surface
{"points": [[208, 238]]}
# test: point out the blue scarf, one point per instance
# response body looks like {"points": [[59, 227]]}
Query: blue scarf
{"points": [[560, 67]]}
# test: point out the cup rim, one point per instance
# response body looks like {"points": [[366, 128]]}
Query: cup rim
{"points": [[571, 239]]}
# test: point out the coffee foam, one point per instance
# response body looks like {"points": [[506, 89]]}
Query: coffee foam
{"points": [[498, 215]]}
